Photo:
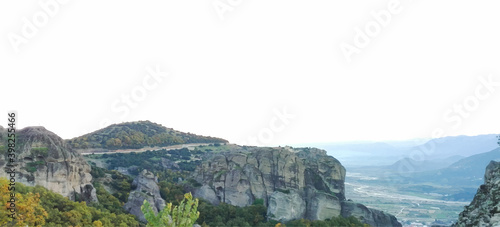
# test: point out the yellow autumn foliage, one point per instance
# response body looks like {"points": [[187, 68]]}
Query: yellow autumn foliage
{"points": [[29, 211]]}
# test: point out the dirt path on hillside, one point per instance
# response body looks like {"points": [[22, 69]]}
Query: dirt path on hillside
{"points": [[173, 147]]}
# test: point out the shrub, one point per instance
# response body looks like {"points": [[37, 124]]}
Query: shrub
{"points": [[183, 215]]}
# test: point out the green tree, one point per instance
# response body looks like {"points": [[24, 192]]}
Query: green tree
{"points": [[183, 215], [29, 210]]}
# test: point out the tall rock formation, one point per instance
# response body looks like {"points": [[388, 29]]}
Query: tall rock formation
{"points": [[43, 158], [294, 183], [484, 210], [146, 188]]}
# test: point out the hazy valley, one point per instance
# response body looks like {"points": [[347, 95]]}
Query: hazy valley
{"points": [[435, 187]]}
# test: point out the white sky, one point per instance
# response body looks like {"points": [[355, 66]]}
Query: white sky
{"points": [[227, 77]]}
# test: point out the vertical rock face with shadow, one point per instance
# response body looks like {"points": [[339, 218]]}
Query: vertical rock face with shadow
{"points": [[293, 182], [146, 188], [43, 158], [484, 210]]}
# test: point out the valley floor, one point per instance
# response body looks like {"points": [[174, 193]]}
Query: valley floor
{"points": [[410, 208]]}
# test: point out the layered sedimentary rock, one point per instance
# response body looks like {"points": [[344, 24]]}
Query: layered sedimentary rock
{"points": [[43, 158], [146, 188], [484, 210], [293, 183]]}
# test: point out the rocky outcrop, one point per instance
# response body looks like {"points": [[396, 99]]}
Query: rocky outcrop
{"points": [[484, 210], [43, 158], [146, 188], [169, 164], [369, 216], [294, 183], [208, 194]]}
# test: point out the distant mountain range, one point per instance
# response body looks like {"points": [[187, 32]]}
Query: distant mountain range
{"points": [[465, 172], [457, 181], [423, 165], [387, 153], [462, 145]]}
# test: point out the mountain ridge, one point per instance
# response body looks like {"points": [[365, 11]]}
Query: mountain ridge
{"points": [[359, 154], [135, 135]]}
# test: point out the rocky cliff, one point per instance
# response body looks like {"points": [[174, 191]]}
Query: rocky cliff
{"points": [[43, 158], [146, 188], [293, 183], [484, 210], [369, 216]]}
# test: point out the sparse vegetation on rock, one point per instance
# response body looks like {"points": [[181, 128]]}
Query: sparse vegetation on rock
{"points": [[484, 210]]}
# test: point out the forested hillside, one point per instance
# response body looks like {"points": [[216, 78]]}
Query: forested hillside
{"points": [[134, 135], [38, 206]]}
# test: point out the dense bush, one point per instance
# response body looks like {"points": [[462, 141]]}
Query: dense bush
{"points": [[182, 215], [152, 160], [229, 215]]}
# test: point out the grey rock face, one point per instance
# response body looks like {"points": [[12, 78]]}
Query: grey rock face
{"points": [[169, 164], [322, 205], [484, 210], [146, 189], [208, 194], [241, 176], [286, 206], [44, 159], [369, 216], [294, 183]]}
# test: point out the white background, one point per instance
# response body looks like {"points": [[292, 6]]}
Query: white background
{"points": [[229, 71]]}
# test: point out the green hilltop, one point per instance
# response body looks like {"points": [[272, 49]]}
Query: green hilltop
{"points": [[135, 135]]}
